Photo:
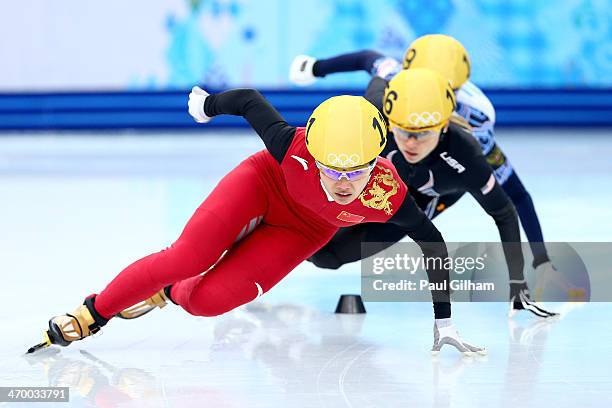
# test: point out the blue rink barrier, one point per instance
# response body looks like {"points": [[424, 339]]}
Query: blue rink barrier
{"points": [[168, 109]]}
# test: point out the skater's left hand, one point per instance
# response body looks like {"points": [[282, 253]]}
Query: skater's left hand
{"points": [[196, 104], [387, 68], [521, 300]]}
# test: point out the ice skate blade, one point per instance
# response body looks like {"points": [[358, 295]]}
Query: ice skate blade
{"points": [[45, 343]]}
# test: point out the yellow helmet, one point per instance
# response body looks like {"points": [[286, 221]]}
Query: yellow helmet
{"points": [[443, 54], [419, 99], [345, 132]]}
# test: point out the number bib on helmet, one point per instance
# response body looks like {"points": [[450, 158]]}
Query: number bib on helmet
{"points": [[379, 201]]}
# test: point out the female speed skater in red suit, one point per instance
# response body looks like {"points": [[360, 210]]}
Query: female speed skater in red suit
{"points": [[269, 214]]}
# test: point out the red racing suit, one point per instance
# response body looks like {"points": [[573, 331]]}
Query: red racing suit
{"points": [[263, 219]]}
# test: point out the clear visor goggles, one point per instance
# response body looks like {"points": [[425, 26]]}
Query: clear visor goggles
{"points": [[413, 134], [350, 175]]}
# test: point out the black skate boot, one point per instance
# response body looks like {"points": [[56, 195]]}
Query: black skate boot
{"points": [[67, 328]]}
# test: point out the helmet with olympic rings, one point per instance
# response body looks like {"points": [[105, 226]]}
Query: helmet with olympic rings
{"points": [[419, 99], [345, 132]]}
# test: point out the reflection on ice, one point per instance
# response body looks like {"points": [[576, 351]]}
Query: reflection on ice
{"points": [[289, 355]]}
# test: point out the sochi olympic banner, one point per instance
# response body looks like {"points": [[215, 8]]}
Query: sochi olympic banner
{"points": [[150, 45]]}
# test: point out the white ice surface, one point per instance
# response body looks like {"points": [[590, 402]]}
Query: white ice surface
{"points": [[74, 210]]}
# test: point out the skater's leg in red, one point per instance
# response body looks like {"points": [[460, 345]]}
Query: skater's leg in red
{"points": [[236, 205], [249, 269]]}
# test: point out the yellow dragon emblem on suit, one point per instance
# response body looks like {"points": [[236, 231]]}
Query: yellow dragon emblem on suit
{"points": [[378, 197]]}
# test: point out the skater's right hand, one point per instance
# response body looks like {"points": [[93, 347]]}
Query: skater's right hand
{"points": [[300, 72], [196, 104], [445, 333]]}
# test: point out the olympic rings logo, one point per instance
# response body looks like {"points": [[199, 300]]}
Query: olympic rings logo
{"points": [[424, 119], [343, 160]]}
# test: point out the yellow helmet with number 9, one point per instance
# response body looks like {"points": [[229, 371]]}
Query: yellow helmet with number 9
{"points": [[345, 132], [419, 99], [443, 54]]}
